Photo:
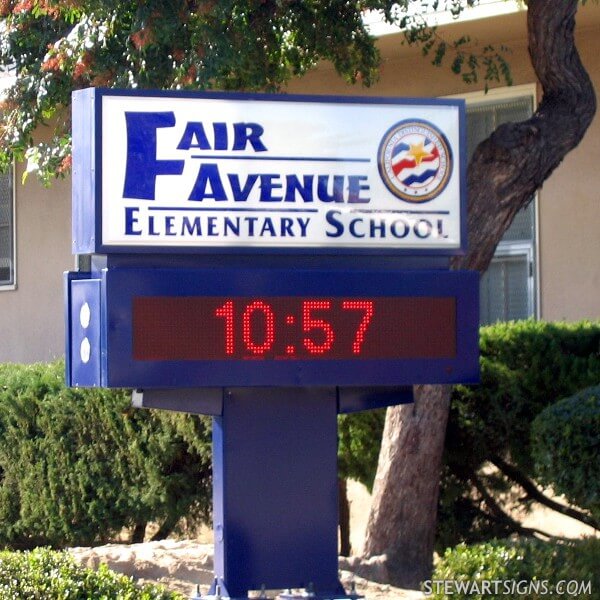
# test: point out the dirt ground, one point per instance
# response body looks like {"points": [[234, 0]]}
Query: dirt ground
{"points": [[181, 565]]}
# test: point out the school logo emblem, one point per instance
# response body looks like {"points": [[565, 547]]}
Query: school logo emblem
{"points": [[415, 161]]}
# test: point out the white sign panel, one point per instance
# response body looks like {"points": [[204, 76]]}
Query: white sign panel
{"points": [[194, 171]]}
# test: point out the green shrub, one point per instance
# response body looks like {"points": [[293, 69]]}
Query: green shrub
{"points": [[77, 466], [566, 448], [43, 574], [533, 567], [359, 439], [525, 367]]}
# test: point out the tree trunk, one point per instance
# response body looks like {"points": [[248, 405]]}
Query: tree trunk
{"points": [[344, 517], [166, 528], [404, 505], [504, 173], [138, 533]]}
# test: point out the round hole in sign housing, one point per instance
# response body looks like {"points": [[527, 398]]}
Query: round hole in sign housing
{"points": [[85, 350], [85, 315]]}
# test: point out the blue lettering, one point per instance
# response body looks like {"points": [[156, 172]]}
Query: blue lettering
{"points": [[394, 228], [267, 227], [338, 188], [331, 218], [286, 227], [355, 187], [352, 228], [440, 229], [194, 136], [240, 194], [374, 227], [130, 221], [142, 168], [212, 226], [303, 225], [293, 185], [267, 185], [421, 232], [191, 227], [151, 230], [208, 175], [251, 221], [232, 226], [220, 130], [245, 133], [170, 225]]}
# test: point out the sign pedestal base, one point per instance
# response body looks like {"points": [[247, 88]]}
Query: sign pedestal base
{"points": [[275, 492]]}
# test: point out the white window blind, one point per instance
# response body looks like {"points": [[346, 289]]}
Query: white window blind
{"points": [[507, 290]]}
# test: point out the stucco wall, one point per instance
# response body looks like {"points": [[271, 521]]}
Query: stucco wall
{"points": [[31, 316], [570, 218]]}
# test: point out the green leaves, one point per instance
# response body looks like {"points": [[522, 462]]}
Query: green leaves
{"points": [[359, 440], [526, 366], [43, 574], [524, 569], [56, 46], [565, 440], [78, 466]]}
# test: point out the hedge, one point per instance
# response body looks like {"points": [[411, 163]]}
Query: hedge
{"points": [[524, 569], [43, 574], [525, 367], [565, 441], [77, 466]]}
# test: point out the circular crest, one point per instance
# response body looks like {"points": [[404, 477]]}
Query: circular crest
{"points": [[415, 160]]}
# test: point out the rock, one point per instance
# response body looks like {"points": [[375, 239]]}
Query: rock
{"points": [[181, 565]]}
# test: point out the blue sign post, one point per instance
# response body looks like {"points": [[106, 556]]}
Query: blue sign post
{"points": [[271, 261]]}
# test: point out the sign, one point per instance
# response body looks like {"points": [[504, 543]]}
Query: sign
{"points": [[190, 172], [272, 261], [211, 327]]}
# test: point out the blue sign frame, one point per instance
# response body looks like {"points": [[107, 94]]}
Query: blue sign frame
{"points": [[118, 368], [87, 175]]}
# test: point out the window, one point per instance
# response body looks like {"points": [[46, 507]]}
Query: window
{"points": [[7, 240], [508, 288]]}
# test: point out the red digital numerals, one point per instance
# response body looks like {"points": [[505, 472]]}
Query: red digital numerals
{"points": [[257, 328], [293, 328]]}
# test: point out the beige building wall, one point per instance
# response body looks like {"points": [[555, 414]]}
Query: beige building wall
{"points": [[570, 215], [31, 316]]}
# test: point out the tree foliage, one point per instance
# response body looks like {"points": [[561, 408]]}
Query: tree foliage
{"points": [[526, 367], [359, 439], [523, 569], [565, 439], [511, 420], [78, 466], [44, 574], [56, 46], [502, 177]]}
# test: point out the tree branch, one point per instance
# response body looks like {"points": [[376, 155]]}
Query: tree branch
{"points": [[508, 167], [535, 494], [499, 515]]}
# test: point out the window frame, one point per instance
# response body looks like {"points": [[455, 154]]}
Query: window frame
{"points": [[508, 250], [495, 95], [9, 287]]}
